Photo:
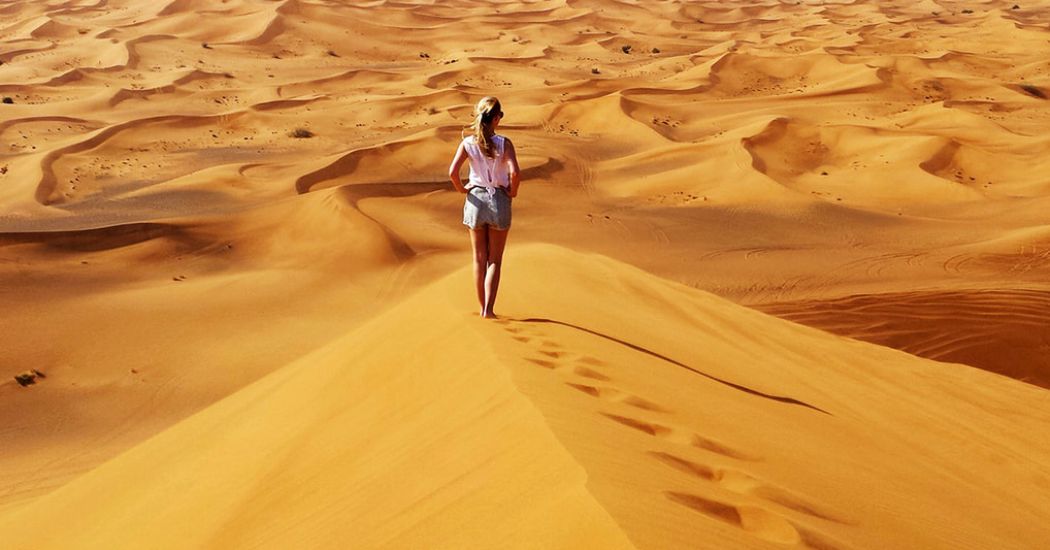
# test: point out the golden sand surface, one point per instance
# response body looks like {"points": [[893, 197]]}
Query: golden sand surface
{"points": [[779, 275]]}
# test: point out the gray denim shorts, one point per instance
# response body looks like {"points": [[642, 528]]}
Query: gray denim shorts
{"points": [[487, 206]]}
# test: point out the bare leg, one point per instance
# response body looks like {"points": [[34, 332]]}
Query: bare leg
{"points": [[497, 241], [479, 241]]}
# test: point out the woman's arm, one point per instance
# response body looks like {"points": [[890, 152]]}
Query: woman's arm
{"points": [[515, 172], [453, 169]]}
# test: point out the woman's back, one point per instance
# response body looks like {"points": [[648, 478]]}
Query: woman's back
{"points": [[487, 171]]}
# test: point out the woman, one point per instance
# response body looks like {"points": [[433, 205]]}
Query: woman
{"points": [[493, 182]]}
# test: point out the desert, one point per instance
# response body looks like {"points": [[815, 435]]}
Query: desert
{"points": [[779, 275]]}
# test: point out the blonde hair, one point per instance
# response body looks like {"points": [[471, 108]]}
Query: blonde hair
{"points": [[484, 113]]}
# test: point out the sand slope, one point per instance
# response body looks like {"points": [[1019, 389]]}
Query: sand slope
{"points": [[573, 424]]}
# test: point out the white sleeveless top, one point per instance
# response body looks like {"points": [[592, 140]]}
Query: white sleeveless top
{"points": [[489, 172]]}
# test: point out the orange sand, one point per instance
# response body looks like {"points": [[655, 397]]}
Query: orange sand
{"points": [[255, 340]]}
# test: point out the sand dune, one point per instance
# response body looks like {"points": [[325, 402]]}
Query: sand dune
{"points": [[391, 446], [229, 249]]}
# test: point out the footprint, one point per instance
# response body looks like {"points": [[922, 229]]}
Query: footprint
{"points": [[716, 447], [644, 404], [819, 541], [650, 428], [589, 390], [553, 350], [615, 395], [543, 363], [731, 480], [696, 440], [791, 501], [745, 484], [755, 520], [515, 330], [589, 373], [737, 482], [692, 468], [593, 361]]}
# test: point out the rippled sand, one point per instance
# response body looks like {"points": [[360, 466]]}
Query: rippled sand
{"points": [[244, 338]]}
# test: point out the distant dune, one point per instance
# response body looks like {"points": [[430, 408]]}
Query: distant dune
{"points": [[778, 276]]}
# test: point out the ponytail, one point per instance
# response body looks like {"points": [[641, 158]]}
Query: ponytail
{"points": [[484, 113]]}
